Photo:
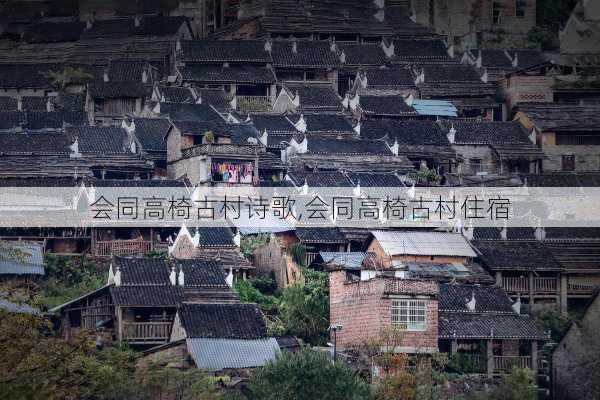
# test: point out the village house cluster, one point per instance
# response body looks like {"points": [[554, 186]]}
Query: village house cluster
{"points": [[304, 95]]}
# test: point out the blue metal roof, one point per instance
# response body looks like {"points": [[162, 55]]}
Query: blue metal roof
{"points": [[441, 108], [32, 262], [349, 260], [218, 354]]}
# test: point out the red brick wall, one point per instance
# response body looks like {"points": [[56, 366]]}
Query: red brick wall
{"points": [[363, 309]]}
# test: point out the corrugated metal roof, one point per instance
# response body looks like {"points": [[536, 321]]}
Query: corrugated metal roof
{"points": [[435, 107], [20, 308], [349, 260], [32, 262], [424, 243], [218, 354]]}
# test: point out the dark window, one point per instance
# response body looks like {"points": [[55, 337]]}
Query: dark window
{"points": [[475, 165], [520, 8], [496, 8], [568, 163]]}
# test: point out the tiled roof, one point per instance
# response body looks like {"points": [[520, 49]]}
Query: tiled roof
{"points": [[325, 123], [184, 111], [176, 94], [45, 32], [34, 143], [123, 27], [487, 326], [115, 89], [215, 237], [147, 296], [470, 273], [527, 58], [28, 261], [231, 73], [320, 235], [348, 260], [406, 132], [435, 73], [512, 233], [31, 103], [202, 273], [562, 117], [385, 106], [12, 119], [309, 54], [25, 75], [69, 102], [392, 77], [573, 233], [99, 139], [454, 298], [315, 96], [199, 128], [126, 70], [223, 321], [374, 179], [8, 104], [215, 97], [492, 58], [348, 147], [213, 51], [319, 178], [569, 179], [489, 132], [141, 183], [413, 50], [40, 120], [151, 132], [272, 123], [363, 54], [423, 243], [218, 354], [516, 255]]}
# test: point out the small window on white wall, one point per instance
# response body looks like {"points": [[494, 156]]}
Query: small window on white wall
{"points": [[410, 315]]}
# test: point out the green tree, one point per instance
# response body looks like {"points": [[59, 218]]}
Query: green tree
{"points": [[551, 15], [304, 309], [67, 76], [306, 375]]}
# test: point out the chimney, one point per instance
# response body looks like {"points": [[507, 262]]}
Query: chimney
{"points": [[409, 100], [450, 51], [181, 277], [49, 105], [451, 134], [516, 306], [136, 21], [479, 60], [173, 276], [237, 238], [540, 233], [178, 46], [111, 275], [356, 190], [105, 75], [294, 46], [503, 233], [343, 57], [345, 101], [485, 77], [332, 45], [268, 45], [515, 61], [20, 104], [144, 76], [305, 187], [74, 147]]}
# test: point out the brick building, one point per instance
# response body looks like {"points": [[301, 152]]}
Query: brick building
{"points": [[366, 308]]}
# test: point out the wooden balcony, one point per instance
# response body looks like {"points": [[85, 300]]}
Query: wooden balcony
{"points": [[310, 257], [127, 247], [92, 315], [506, 363], [253, 103], [541, 285], [146, 332], [579, 289]]}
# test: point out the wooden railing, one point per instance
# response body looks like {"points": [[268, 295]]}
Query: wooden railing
{"points": [[253, 103], [310, 257], [127, 247], [521, 285], [146, 331], [545, 284], [576, 288], [515, 284], [469, 363], [505, 363]]}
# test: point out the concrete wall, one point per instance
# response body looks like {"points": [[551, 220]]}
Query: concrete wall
{"points": [[484, 153], [587, 158]]}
